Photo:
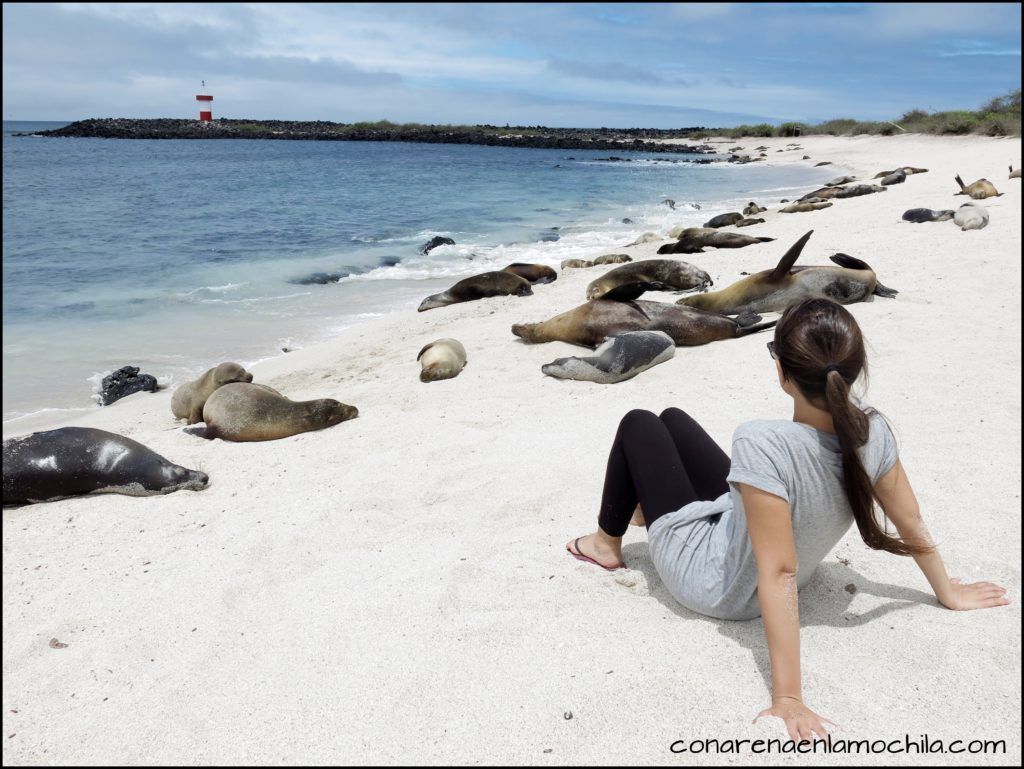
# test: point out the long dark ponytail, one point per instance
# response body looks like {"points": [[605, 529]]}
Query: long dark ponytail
{"points": [[820, 347]]}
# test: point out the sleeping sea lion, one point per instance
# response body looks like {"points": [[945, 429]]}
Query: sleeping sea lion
{"points": [[693, 240], [896, 177], [620, 358], [481, 286], [978, 190], [920, 215], [613, 259], [774, 290], [249, 412], [753, 208], [908, 170], [1014, 173], [748, 222], [442, 359], [569, 264], [971, 216], [188, 400], [647, 237], [666, 274], [591, 323], [535, 273], [840, 180], [723, 220], [72, 461], [807, 205]]}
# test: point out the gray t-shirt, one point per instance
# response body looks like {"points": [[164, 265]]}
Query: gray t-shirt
{"points": [[703, 552]]}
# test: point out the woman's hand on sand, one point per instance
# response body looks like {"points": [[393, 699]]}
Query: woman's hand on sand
{"points": [[802, 723], [974, 595]]}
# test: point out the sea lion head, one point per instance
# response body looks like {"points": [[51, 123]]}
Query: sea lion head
{"points": [[175, 478], [434, 301], [329, 412], [226, 373]]}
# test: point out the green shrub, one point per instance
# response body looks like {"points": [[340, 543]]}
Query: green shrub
{"points": [[792, 129]]}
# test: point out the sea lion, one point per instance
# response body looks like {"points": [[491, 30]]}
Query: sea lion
{"points": [[908, 170], [670, 203], [774, 290], [978, 190], [753, 208], [620, 358], [797, 208], [1014, 173], [535, 273], [748, 222], [591, 323], [656, 274], [971, 216], [250, 412], [822, 193], [896, 177], [647, 237], [188, 400], [613, 259], [569, 264], [480, 286], [692, 240], [71, 461], [840, 180], [442, 359], [723, 220], [823, 163], [920, 215]]}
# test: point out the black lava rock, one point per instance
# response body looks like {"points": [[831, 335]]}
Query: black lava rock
{"points": [[434, 242], [320, 278], [125, 381]]}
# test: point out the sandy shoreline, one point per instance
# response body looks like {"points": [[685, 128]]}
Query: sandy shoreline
{"points": [[395, 589]]}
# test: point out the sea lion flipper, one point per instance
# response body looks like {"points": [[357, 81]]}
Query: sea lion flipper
{"points": [[627, 292], [766, 240], [747, 318], [960, 181], [884, 291], [427, 347], [849, 262], [639, 309], [788, 259]]}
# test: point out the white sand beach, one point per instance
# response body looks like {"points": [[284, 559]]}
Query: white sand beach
{"points": [[396, 589]]}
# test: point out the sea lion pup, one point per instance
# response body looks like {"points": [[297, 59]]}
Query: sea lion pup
{"points": [[481, 286], [647, 237], [665, 274], [535, 273], [80, 460], [797, 208], [840, 180], [693, 240], [613, 259], [188, 400], [723, 220], [920, 215], [1014, 173], [978, 190], [971, 216], [249, 412], [620, 358], [590, 324], [748, 222], [569, 264], [753, 208], [896, 177], [442, 359], [774, 290]]}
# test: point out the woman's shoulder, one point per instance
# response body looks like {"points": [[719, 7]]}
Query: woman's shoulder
{"points": [[765, 430]]}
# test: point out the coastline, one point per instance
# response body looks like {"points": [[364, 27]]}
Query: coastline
{"points": [[397, 585]]}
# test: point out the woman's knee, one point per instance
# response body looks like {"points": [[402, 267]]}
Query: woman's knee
{"points": [[673, 413], [637, 419]]}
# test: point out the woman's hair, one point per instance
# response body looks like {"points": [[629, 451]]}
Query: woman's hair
{"points": [[820, 347]]}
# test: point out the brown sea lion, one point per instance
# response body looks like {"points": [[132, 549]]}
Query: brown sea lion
{"points": [[248, 412], [572, 264], [613, 259], [693, 240], [442, 359], [654, 274], [535, 273], [908, 170], [840, 180], [978, 190], [188, 400], [748, 222], [481, 286], [774, 290], [723, 220], [807, 205], [753, 208]]}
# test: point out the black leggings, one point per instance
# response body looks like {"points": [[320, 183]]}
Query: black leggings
{"points": [[661, 462]]}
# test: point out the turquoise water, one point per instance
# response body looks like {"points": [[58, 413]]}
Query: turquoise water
{"points": [[175, 255]]}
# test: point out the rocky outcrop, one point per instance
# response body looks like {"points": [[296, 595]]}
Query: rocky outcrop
{"points": [[124, 381]]}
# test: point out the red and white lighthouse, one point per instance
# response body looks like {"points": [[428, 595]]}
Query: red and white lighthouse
{"points": [[205, 107]]}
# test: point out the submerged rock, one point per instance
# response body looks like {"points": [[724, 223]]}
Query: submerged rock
{"points": [[125, 381], [319, 278], [434, 242]]}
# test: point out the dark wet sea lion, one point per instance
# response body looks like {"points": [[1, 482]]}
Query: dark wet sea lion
{"points": [[535, 273], [920, 215], [620, 358], [669, 274], [896, 177], [249, 412], [590, 323], [978, 190], [723, 220], [434, 242], [72, 461], [693, 240], [774, 290], [481, 286], [188, 400]]}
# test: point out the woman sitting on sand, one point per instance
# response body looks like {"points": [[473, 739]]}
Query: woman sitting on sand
{"points": [[734, 539]]}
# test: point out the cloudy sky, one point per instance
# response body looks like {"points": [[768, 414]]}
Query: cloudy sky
{"points": [[563, 65]]}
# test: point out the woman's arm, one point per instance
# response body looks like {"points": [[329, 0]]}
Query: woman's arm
{"points": [[897, 499], [770, 525]]}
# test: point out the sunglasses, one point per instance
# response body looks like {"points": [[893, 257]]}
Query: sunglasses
{"points": [[771, 350]]}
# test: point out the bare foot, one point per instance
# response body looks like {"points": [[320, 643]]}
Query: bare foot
{"points": [[638, 517], [605, 551]]}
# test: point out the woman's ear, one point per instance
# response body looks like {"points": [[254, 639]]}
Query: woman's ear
{"points": [[782, 375]]}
